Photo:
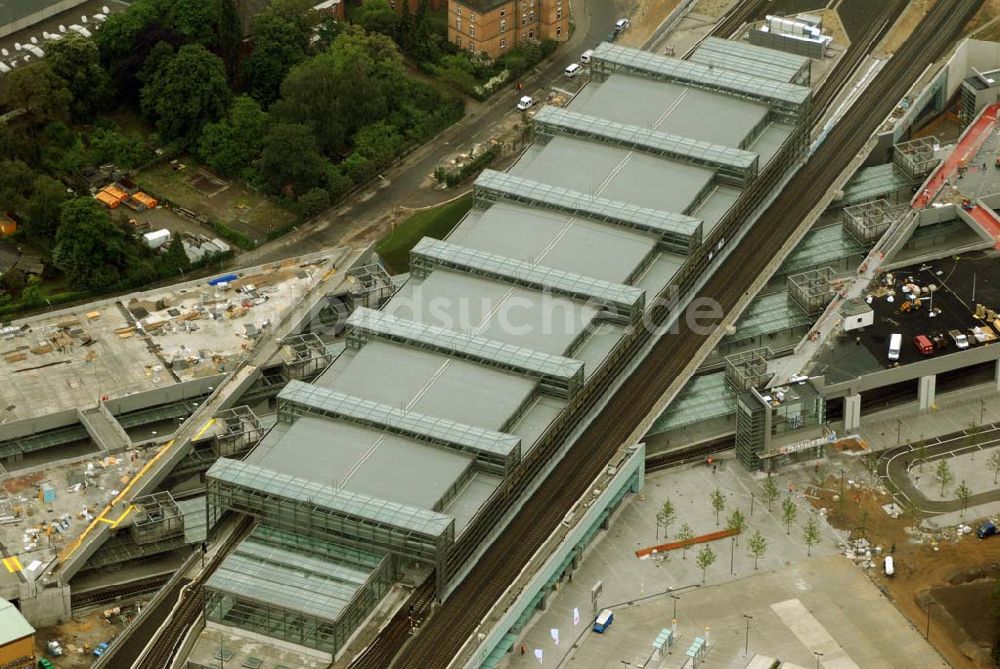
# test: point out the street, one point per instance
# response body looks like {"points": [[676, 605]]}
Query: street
{"points": [[356, 220]]}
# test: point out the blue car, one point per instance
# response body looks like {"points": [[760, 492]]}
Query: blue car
{"points": [[101, 649]]}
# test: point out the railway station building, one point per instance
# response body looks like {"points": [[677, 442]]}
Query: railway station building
{"points": [[415, 445]]}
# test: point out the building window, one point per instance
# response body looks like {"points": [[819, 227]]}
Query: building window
{"points": [[472, 30], [558, 31], [531, 34], [458, 41], [559, 14], [458, 9], [503, 25], [503, 13], [472, 18], [503, 44], [472, 48], [531, 16], [524, 20], [458, 24]]}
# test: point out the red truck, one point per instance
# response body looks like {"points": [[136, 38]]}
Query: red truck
{"points": [[923, 344]]}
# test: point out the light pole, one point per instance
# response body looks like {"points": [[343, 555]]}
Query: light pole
{"points": [[818, 655], [899, 429], [751, 504], [927, 634], [732, 555], [676, 599], [746, 647]]}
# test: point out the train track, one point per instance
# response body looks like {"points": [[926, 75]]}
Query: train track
{"points": [[117, 593], [743, 12], [457, 617], [684, 456], [160, 652]]}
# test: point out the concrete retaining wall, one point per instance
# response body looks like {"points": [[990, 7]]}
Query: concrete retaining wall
{"points": [[175, 392], [28, 426]]}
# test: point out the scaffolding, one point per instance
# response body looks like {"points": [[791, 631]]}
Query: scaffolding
{"points": [[370, 285], [748, 369], [557, 374], [239, 430], [617, 302], [812, 290], [305, 355], [915, 158], [157, 518], [868, 221], [300, 590]]}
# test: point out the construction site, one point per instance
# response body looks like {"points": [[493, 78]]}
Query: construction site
{"points": [[313, 463]]}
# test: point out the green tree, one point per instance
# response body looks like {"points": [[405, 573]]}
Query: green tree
{"points": [[42, 209], [685, 534], [230, 35], [921, 454], [993, 462], [736, 522], [77, 61], [379, 142], [281, 41], [12, 282], [788, 513], [314, 202], [230, 146], [376, 16], [718, 500], [16, 181], [705, 559], [186, 92], [31, 296], [757, 545], [771, 493], [42, 94], [127, 150], [666, 516], [963, 494], [89, 248], [944, 476], [175, 260], [290, 160], [810, 534]]}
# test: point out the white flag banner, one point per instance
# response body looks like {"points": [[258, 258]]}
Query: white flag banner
{"points": [[576, 616], [539, 655], [555, 635]]}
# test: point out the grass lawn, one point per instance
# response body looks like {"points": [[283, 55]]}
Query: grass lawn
{"points": [[436, 223]]}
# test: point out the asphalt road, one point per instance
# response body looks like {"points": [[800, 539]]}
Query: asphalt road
{"points": [[894, 464], [593, 19]]}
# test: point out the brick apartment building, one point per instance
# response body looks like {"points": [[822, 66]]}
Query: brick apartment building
{"points": [[493, 27]]}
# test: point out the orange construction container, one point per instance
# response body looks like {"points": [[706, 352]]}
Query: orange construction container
{"points": [[7, 226], [115, 192], [147, 201], [107, 200]]}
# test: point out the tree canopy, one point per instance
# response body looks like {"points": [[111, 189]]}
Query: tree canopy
{"points": [[77, 61], [90, 249], [291, 160], [185, 92], [281, 41], [231, 145]]}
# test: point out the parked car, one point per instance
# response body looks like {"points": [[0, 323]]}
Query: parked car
{"points": [[586, 56], [572, 70], [621, 25], [961, 341], [987, 529], [101, 649], [526, 103], [54, 649], [43, 663], [603, 621]]}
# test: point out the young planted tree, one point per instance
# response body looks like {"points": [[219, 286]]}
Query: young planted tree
{"points": [[685, 534], [788, 513], [705, 559], [666, 516], [771, 493], [922, 454], [810, 534], [758, 546], [963, 493], [994, 464], [736, 522], [718, 499], [943, 475]]}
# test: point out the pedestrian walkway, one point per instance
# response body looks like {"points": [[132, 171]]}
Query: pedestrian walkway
{"points": [[953, 168]]}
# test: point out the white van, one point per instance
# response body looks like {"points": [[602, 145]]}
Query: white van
{"points": [[889, 566], [895, 341], [572, 70], [586, 56]]}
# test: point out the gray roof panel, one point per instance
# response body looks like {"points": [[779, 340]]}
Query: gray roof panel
{"points": [[673, 69], [750, 59], [356, 505], [702, 115]]}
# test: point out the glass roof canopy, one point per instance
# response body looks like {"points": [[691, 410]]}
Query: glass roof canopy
{"points": [[731, 161], [563, 376], [783, 96], [501, 451], [744, 57], [371, 509], [677, 232], [623, 303]]}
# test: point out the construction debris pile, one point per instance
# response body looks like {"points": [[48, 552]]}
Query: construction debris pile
{"points": [[64, 336]]}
